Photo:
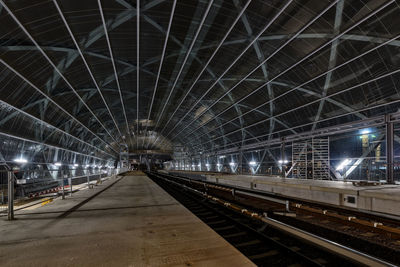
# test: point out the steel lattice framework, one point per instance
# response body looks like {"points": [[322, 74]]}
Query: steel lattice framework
{"points": [[88, 77]]}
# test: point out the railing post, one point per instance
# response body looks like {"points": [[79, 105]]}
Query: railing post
{"points": [[70, 186], [10, 196], [62, 184]]}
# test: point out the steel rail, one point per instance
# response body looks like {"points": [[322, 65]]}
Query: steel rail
{"points": [[186, 195], [316, 240]]}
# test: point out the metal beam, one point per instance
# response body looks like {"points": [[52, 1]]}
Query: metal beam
{"points": [[307, 91], [184, 61], [261, 58], [361, 159], [52, 126], [47, 145], [98, 32], [337, 129], [332, 58], [161, 63], [22, 27], [315, 101], [86, 64], [208, 62], [137, 68], [52, 101], [300, 61], [113, 63], [351, 37], [232, 64]]}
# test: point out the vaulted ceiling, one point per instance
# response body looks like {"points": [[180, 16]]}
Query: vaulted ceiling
{"points": [[90, 76]]}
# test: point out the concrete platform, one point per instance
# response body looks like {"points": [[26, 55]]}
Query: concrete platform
{"points": [[133, 222], [378, 198]]}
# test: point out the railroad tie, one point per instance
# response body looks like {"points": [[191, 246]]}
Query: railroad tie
{"points": [[264, 255]]}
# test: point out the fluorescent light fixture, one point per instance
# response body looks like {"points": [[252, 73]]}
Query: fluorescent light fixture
{"points": [[207, 165], [343, 164], [366, 131], [283, 161], [252, 163], [232, 163], [76, 165], [87, 166], [218, 164], [21, 160], [58, 164], [221, 157]]}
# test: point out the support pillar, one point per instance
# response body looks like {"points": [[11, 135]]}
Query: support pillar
{"points": [[389, 150], [283, 165], [10, 195], [240, 163]]}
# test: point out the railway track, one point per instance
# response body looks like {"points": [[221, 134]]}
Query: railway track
{"points": [[370, 233], [257, 237]]}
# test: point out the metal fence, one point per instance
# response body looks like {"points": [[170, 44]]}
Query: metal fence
{"points": [[364, 150], [19, 188]]}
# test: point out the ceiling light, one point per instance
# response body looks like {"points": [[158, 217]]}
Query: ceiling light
{"points": [[343, 164], [20, 160], [366, 131]]}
